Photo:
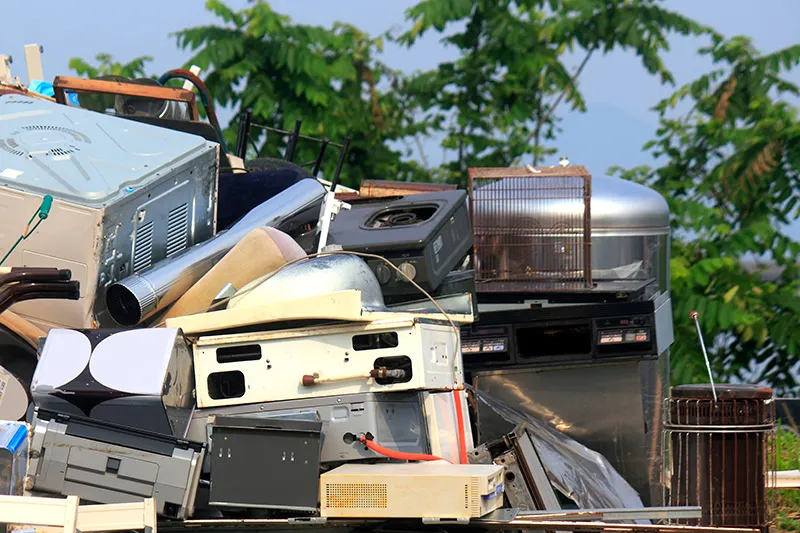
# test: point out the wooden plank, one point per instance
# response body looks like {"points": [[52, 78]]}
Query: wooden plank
{"points": [[68, 516], [63, 83], [383, 188]]}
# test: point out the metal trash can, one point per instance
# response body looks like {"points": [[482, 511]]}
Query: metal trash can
{"points": [[719, 455]]}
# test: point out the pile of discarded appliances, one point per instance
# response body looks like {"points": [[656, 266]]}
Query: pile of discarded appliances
{"points": [[240, 341]]}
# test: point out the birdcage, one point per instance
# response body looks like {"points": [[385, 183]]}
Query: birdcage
{"points": [[720, 454], [532, 228]]}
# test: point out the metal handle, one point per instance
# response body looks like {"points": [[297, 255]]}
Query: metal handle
{"points": [[693, 315]]}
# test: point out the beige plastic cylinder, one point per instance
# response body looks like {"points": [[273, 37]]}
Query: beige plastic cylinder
{"points": [[260, 252]]}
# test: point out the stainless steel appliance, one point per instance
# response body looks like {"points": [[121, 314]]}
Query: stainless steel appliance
{"points": [[629, 233], [582, 370], [125, 196]]}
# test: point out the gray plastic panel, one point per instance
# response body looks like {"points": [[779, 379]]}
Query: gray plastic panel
{"points": [[82, 156]]}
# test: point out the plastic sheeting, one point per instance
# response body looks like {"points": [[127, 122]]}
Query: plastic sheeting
{"points": [[580, 474]]}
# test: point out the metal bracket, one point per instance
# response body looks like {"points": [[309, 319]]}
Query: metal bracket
{"points": [[330, 209], [436, 521], [506, 514], [308, 520]]}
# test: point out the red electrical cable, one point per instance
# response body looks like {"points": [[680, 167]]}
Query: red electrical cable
{"points": [[393, 454], [462, 446]]}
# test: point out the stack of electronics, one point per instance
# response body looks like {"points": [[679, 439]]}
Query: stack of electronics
{"points": [[205, 354], [204, 425], [204, 419], [575, 316]]}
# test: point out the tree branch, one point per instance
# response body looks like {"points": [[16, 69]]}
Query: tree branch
{"points": [[421, 151], [570, 84], [537, 129]]}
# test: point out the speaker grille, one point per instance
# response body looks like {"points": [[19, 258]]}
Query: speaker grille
{"points": [[355, 496]]}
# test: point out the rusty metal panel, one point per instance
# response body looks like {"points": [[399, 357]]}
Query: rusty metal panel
{"points": [[532, 228], [720, 453]]}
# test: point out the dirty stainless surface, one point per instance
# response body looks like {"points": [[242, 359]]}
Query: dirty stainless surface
{"points": [[614, 409], [313, 276]]}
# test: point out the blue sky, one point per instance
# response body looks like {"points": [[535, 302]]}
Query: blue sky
{"points": [[618, 91]]}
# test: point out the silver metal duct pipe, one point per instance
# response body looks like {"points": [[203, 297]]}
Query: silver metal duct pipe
{"points": [[138, 297]]}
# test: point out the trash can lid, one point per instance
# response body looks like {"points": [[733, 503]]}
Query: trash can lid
{"points": [[725, 391]]}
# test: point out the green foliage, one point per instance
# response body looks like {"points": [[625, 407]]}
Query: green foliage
{"points": [[787, 502], [327, 77], [106, 66], [497, 102], [729, 166], [731, 176]]}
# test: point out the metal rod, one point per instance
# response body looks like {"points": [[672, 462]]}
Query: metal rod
{"points": [[644, 513], [244, 132], [567, 525], [693, 315], [318, 162], [516, 524], [342, 155], [291, 147], [285, 132]]}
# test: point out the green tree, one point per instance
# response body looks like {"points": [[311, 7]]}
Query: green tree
{"points": [[499, 100], [730, 147], [106, 66], [328, 77]]}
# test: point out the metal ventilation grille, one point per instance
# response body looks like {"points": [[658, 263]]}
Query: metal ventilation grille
{"points": [[475, 498], [64, 151], [10, 146], [78, 136], [532, 228], [177, 229], [720, 455], [143, 247], [356, 496]]}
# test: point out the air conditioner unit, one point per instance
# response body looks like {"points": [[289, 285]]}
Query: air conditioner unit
{"points": [[429, 490]]}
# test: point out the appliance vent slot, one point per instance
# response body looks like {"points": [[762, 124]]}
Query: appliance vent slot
{"points": [[78, 136], [63, 151], [19, 102], [356, 496], [143, 247], [177, 229], [9, 145], [466, 496], [475, 497]]}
